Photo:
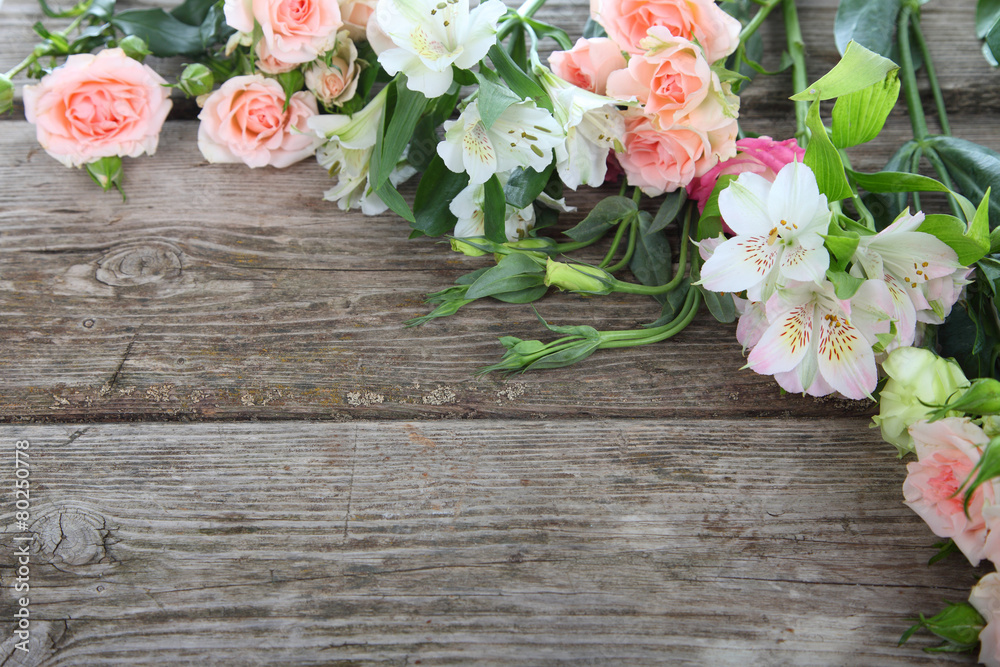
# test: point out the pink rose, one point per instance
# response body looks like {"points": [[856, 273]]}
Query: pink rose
{"points": [[295, 31], [244, 121], [267, 63], [985, 597], [675, 84], [96, 106], [355, 14], [337, 82], [763, 156], [658, 161], [628, 21], [947, 451], [588, 64]]}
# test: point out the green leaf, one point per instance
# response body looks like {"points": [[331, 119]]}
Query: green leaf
{"points": [[859, 116], [669, 210], [672, 305], [721, 305], [894, 181], [973, 169], [526, 295], [494, 98], [525, 184], [517, 79], [593, 29], [945, 548], [582, 330], [858, 69], [652, 261], [438, 187], [74, 11], [192, 12], [391, 197], [710, 222], [513, 272], [165, 34], [841, 246], [987, 15], [824, 159], [494, 211], [844, 284], [959, 625], [971, 243], [389, 146], [602, 217], [871, 24], [543, 30]]}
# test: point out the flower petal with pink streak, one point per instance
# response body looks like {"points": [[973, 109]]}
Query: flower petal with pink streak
{"points": [[798, 263], [785, 343], [846, 359], [739, 263]]}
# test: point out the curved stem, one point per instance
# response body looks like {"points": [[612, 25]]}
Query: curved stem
{"points": [[574, 245], [758, 19], [918, 33], [942, 172], [797, 50], [616, 242], [687, 314], [913, 104], [629, 250], [634, 288]]}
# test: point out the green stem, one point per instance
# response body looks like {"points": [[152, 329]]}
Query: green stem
{"points": [[918, 33], [574, 245], [913, 105], [627, 224], [629, 250], [684, 318], [635, 288], [797, 50], [35, 54], [758, 19], [942, 172], [525, 11]]}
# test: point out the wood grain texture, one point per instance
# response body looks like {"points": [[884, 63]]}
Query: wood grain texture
{"points": [[612, 542]]}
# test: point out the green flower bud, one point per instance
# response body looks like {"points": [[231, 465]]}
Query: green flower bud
{"points": [[195, 80], [918, 378], [982, 398], [541, 243], [6, 93], [106, 172], [578, 278], [458, 245], [135, 48]]}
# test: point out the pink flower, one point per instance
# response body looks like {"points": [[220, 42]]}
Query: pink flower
{"points": [[355, 14], [268, 64], [763, 156], [295, 31], [243, 121], [628, 21], [97, 106], [947, 451], [588, 64], [337, 82], [985, 597], [660, 161]]}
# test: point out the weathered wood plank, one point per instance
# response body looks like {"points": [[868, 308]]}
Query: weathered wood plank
{"points": [[611, 542], [220, 292]]}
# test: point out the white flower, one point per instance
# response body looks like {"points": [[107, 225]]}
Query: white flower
{"points": [[429, 36], [523, 136], [922, 271], [817, 344], [593, 126], [778, 228], [350, 142]]}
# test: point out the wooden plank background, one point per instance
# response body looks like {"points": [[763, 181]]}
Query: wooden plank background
{"points": [[648, 506]]}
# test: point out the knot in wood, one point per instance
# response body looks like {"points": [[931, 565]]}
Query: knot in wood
{"points": [[73, 539], [140, 264]]}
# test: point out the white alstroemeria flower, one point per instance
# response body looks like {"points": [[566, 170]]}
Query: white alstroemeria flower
{"points": [[523, 136], [778, 229], [923, 272], [593, 127], [429, 36], [350, 142], [817, 344]]}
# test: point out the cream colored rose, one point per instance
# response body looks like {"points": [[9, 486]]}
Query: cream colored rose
{"points": [[355, 14], [336, 83]]}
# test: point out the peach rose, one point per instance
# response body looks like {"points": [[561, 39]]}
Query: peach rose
{"points": [[295, 31], [267, 63], [588, 64], [628, 21], [947, 451], [355, 14], [337, 82], [96, 106], [762, 155], [244, 121], [985, 597], [675, 84], [658, 161]]}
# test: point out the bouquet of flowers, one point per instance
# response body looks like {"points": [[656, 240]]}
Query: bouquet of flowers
{"points": [[838, 284]]}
